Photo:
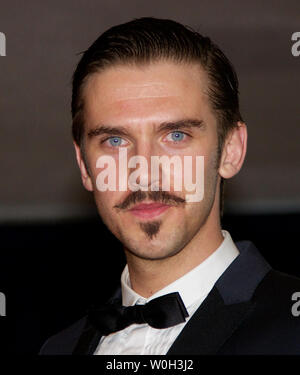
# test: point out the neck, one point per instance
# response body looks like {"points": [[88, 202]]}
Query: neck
{"points": [[149, 276]]}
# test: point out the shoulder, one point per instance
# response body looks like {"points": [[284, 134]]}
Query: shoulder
{"points": [[279, 285], [276, 305], [64, 342]]}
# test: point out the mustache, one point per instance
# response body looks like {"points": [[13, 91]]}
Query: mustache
{"points": [[156, 196]]}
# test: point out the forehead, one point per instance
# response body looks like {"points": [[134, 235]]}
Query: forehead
{"points": [[137, 93]]}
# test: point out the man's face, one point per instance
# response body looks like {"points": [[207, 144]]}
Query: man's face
{"points": [[154, 110]]}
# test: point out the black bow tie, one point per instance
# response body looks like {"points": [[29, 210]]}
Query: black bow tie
{"points": [[162, 312]]}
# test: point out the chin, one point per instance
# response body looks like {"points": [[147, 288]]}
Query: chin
{"points": [[152, 255], [153, 249]]}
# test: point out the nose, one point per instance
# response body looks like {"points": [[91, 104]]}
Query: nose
{"points": [[140, 177]]}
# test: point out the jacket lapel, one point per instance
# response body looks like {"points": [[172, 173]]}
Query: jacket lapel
{"points": [[211, 326], [226, 307], [91, 336], [88, 340]]}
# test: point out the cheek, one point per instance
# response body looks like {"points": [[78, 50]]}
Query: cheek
{"points": [[211, 177], [202, 179], [105, 201], [200, 174]]}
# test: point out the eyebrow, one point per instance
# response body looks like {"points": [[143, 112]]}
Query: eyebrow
{"points": [[169, 125], [181, 124], [105, 129]]}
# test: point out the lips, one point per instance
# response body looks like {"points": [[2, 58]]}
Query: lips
{"points": [[148, 210]]}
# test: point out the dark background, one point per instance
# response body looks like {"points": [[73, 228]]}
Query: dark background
{"points": [[56, 256]]}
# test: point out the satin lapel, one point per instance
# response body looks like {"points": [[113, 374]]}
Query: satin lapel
{"points": [[90, 336], [88, 340], [211, 326], [226, 306]]}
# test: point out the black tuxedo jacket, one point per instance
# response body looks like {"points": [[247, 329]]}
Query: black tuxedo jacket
{"points": [[248, 311]]}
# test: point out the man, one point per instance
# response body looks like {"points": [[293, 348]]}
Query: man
{"points": [[154, 88]]}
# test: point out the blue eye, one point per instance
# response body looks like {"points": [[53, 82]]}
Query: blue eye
{"points": [[177, 136], [115, 141]]}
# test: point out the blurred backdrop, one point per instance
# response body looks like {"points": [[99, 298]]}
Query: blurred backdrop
{"points": [[54, 248]]}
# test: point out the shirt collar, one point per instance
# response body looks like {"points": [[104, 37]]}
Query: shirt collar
{"points": [[193, 285]]}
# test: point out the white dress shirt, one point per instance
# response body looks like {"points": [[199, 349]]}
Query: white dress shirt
{"points": [[193, 288]]}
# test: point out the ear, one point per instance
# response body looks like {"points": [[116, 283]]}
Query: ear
{"points": [[86, 179], [234, 151]]}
